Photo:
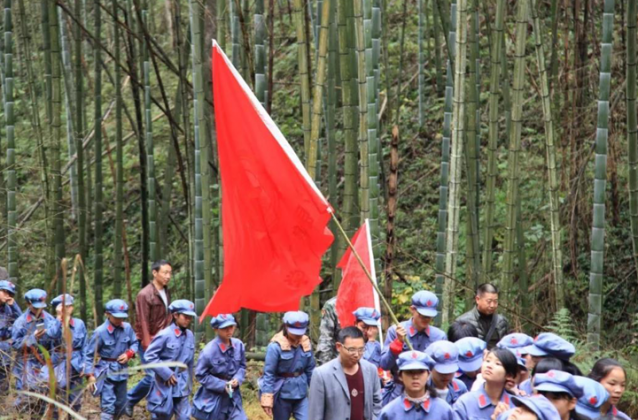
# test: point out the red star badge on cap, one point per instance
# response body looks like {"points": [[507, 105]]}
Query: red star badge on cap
{"points": [[298, 324], [446, 355], [414, 355], [469, 354], [122, 307], [429, 303], [514, 341], [551, 374], [593, 400]]}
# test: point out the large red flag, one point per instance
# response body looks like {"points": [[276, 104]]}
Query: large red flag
{"points": [[273, 216], [355, 290]]}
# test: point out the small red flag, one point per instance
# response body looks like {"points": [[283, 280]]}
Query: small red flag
{"points": [[273, 216], [355, 290]]}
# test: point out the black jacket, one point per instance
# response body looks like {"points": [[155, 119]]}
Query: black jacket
{"points": [[483, 323]]}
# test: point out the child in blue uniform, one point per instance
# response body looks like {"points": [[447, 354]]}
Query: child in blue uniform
{"points": [[172, 386], [114, 342], [367, 320], [418, 400], [536, 407], [546, 345], [288, 370], [446, 357], [470, 359], [613, 377], [562, 390], [519, 342], [498, 366], [221, 369], [33, 329], [78, 339], [9, 312], [418, 330], [594, 398]]}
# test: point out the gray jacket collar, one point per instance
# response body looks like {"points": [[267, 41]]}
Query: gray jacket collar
{"points": [[337, 371]]}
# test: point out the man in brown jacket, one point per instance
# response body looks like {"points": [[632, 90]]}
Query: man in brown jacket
{"points": [[152, 316]]}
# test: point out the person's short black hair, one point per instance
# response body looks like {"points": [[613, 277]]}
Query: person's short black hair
{"points": [[546, 364], [571, 368], [508, 360], [486, 288], [349, 332], [461, 329], [157, 265]]}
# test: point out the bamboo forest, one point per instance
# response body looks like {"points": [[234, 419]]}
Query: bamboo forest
{"points": [[478, 142]]}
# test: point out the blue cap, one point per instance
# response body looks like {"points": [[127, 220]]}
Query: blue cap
{"points": [[37, 298], [183, 306], [425, 303], [117, 307], [519, 357], [594, 396], [68, 300], [539, 405], [222, 321], [550, 344], [558, 381], [296, 322], [414, 360], [445, 356], [7, 286], [369, 316], [515, 341], [470, 353]]}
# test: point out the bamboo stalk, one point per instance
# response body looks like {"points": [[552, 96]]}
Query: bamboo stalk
{"points": [[493, 134], [458, 133], [98, 258], [550, 147], [12, 249], [364, 141], [119, 162], [304, 76], [442, 215], [513, 169], [594, 315]]}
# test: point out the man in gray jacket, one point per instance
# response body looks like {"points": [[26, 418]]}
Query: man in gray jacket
{"points": [[346, 388], [490, 325]]}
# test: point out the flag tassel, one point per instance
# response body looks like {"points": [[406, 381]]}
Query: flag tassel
{"points": [[368, 275]]}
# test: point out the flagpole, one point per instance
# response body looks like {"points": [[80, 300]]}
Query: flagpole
{"points": [[365, 270]]}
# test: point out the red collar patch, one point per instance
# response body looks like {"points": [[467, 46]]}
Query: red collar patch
{"points": [[482, 401], [407, 405], [222, 346], [506, 398], [426, 405], [455, 386], [178, 332], [412, 331], [614, 410], [110, 328]]}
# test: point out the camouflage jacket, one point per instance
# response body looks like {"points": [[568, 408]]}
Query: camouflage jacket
{"points": [[328, 330]]}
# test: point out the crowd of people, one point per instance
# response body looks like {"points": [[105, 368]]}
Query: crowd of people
{"points": [[479, 369]]}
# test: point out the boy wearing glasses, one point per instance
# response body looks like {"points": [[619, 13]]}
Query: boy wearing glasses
{"points": [[346, 387]]}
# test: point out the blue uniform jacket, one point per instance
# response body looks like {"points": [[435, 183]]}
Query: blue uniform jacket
{"points": [[372, 353], [79, 338], [461, 376], [8, 315], [402, 409], [455, 389], [476, 405], [172, 344], [420, 341], [109, 342], [217, 365], [526, 387], [280, 357], [26, 346]]}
